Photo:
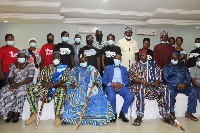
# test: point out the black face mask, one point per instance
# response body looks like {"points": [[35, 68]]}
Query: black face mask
{"points": [[99, 36], [89, 42], [49, 40]]}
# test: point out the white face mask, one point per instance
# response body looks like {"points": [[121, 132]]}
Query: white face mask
{"points": [[197, 45], [32, 44], [21, 60], [10, 43], [143, 62], [164, 42], [56, 61]]}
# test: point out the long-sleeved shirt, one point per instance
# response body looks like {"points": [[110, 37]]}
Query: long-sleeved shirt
{"points": [[162, 54], [174, 75]]}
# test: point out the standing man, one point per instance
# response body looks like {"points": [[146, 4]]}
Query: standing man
{"points": [[77, 45], [91, 52], [177, 77], [163, 51], [7, 56], [194, 53], [109, 52], [146, 45], [99, 44], [172, 42], [66, 50], [129, 48], [46, 51]]}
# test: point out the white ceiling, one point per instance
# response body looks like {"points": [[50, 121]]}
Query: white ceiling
{"points": [[154, 13]]}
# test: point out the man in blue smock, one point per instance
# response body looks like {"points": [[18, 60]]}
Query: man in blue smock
{"points": [[177, 77]]}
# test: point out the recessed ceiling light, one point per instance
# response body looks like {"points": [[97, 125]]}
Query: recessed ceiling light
{"points": [[104, 0]]}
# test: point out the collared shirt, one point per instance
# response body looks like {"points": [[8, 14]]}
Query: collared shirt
{"points": [[76, 50], [176, 74], [128, 50], [117, 77]]}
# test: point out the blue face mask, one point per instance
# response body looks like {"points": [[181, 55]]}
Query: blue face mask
{"points": [[77, 40], [197, 45], [83, 64], [128, 37], [174, 62], [117, 62], [65, 39], [143, 62], [32, 44], [198, 63], [110, 42], [164, 42]]}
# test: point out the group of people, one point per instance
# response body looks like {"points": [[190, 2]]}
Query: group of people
{"points": [[98, 71]]}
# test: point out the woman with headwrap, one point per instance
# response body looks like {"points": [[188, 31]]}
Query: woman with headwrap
{"points": [[12, 96], [34, 52]]}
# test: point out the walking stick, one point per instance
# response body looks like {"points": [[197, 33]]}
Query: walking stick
{"points": [[85, 107], [160, 103], [164, 106], [40, 111]]}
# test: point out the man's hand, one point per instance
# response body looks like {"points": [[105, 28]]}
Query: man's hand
{"points": [[51, 85], [119, 86], [181, 86], [73, 85], [44, 84], [157, 84], [145, 83]]}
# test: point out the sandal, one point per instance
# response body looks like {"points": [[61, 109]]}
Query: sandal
{"points": [[192, 117], [137, 121], [170, 121]]}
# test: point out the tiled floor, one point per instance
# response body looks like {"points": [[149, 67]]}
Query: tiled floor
{"points": [[148, 126]]}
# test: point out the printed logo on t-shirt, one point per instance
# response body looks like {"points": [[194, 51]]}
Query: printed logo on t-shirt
{"points": [[48, 52], [149, 57], [65, 51], [90, 52], [110, 54], [12, 54], [193, 55]]}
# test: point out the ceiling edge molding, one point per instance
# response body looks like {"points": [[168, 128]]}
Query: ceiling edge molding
{"points": [[104, 11], [30, 3]]}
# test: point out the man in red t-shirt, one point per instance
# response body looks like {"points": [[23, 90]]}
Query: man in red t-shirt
{"points": [[46, 51], [163, 51], [7, 56]]}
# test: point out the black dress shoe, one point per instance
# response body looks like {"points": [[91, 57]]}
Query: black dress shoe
{"points": [[15, 117], [10, 117], [114, 120], [122, 116]]}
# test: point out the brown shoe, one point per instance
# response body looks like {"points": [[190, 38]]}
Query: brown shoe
{"points": [[190, 116], [57, 121], [31, 120]]}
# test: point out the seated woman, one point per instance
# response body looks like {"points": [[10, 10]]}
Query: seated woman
{"points": [[99, 110], [12, 96]]}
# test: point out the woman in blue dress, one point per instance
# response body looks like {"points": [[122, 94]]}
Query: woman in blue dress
{"points": [[99, 111]]}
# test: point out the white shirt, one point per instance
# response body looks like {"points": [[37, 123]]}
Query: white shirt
{"points": [[128, 50]]}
